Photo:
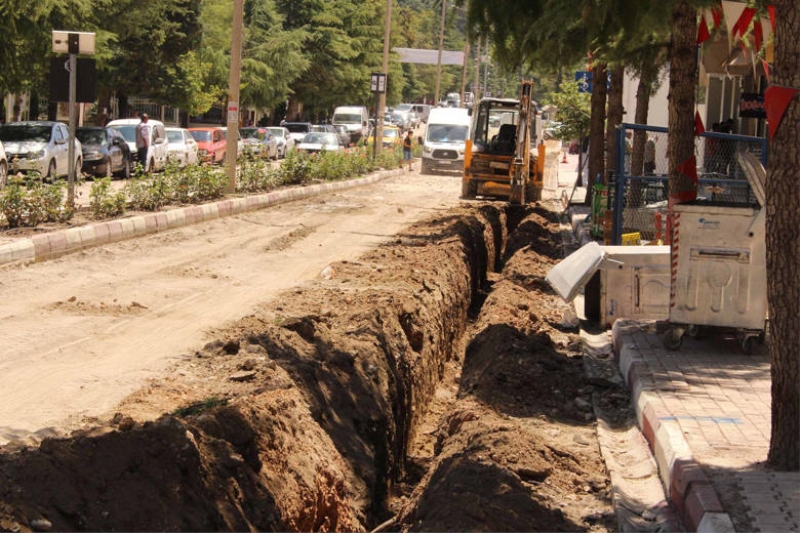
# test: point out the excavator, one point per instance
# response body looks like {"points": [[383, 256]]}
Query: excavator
{"points": [[498, 160]]}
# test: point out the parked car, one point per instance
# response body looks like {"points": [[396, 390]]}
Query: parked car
{"points": [[391, 135], [297, 130], [284, 139], [259, 142], [340, 131], [40, 146], [409, 115], [3, 167], [239, 141], [210, 144], [157, 151], [105, 152], [395, 119], [317, 141], [182, 149]]}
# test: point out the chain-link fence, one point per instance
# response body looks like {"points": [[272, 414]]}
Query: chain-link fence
{"points": [[642, 192]]}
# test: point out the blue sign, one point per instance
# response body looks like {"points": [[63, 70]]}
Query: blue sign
{"points": [[584, 79]]}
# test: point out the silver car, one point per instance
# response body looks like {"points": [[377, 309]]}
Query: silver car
{"points": [[285, 141], [39, 146]]}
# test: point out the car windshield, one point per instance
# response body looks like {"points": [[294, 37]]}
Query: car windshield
{"points": [[320, 138], [201, 136], [403, 107], [12, 132], [277, 132], [174, 136], [128, 132], [446, 133], [347, 118], [297, 128], [252, 133], [91, 136], [390, 132]]}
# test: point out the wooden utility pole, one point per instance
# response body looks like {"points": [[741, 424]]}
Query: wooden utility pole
{"points": [[439, 62], [232, 141], [387, 31]]}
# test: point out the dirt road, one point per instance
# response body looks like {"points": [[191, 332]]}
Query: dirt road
{"points": [[81, 332]]}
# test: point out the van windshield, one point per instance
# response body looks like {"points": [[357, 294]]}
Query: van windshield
{"points": [[446, 133], [347, 118], [128, 132]]}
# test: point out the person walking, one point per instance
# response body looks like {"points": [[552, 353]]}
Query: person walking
{"points": [[407, 144], [143, 141]]}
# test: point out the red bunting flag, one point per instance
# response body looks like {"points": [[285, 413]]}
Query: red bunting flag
{"points": [[689, 169], [699, 129], [744, 21], [776, 100], [758, 34], [702, 31], [771, 11], [766, 68], [716, 13]]}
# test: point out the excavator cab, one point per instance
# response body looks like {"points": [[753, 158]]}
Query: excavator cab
{"points": [[498, 160]]}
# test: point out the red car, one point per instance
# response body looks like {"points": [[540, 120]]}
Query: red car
{"points": [[211, 144]]}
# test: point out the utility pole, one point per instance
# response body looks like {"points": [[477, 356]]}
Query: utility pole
{"points": [[387, 30], [464, 70], [441, 45], [233, 94], [478, 70]]}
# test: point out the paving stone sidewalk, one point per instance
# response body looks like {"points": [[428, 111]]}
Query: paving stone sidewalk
{"points": [[705, 411]]}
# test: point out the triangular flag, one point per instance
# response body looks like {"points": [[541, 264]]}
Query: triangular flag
{"points": [[743, 23], [699, 129], [766, 68], [776, 100], [733, 11], [771, 11], [758, 34], [766, 30], [716, 14], [702, 31]]}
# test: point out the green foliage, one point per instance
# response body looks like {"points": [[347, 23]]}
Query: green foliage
{"points": [[29, 201], [573, 111], [200, 407], [104, 202]]}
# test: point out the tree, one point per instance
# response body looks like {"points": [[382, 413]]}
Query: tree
{"points": [[783, 247], [573, 112]]}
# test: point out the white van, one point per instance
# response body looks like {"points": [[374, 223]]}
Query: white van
{"points": [[445, 137], [158, 153], [355, 119]]}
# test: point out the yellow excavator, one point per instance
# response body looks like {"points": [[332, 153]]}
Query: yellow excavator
{"points": [[498, 160]]}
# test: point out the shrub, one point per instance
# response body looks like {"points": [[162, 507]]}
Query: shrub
{"points": [[29, 201], [104, 202]]}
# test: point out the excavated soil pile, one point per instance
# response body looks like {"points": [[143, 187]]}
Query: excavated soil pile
{"points": [[322, 410]]}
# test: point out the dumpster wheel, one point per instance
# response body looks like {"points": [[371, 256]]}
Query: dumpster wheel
{"points": [[673, 338]]}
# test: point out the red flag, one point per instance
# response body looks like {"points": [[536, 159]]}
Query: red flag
{"points": [[771, 11], [716, 13], [776, 100], [689, 169], [766, 68], [744, 21], [702, 31], [758, 33], [699, 129]]}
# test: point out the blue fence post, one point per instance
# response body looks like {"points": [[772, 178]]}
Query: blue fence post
{"points": [[619, 201]]}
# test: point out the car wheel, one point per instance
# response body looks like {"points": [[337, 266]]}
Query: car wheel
{"points": [[51, 169], [3, 174]]}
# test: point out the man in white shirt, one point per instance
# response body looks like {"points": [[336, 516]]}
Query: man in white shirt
{"points": [[143, 141]]}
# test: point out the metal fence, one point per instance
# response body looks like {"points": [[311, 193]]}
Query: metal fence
{"points": [[641, 189]]}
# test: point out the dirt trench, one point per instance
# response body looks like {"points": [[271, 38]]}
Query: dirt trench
{"points": [[428, 385]]}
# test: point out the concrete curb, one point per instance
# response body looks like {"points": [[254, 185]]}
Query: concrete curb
{"points": [[688, 487], [57, 243]]}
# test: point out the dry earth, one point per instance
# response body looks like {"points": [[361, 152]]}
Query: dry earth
{"points": [[426, 384]]}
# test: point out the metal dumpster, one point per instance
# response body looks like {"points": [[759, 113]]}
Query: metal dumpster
{"points": [[719, 269]]}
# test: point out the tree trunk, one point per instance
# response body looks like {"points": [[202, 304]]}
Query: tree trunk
{"points": [[783, 248], [648, 75], [682, 86], [614, 117], [596, 128]]}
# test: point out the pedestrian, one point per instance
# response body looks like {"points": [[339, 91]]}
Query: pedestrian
{"points": [[143, 141], [407, 144], [649, 157]]}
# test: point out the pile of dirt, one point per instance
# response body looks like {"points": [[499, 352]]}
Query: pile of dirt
{"points": [[356, 400]]}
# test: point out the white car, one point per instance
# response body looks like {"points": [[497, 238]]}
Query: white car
{"points": [[285, 141], [182, 148], [318, 141], [259, 142], [40, 146], [158, 149], [3, 167]]}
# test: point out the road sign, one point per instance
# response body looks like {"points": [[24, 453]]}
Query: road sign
{"points": [[233, 111], [584, 79], [377, 82]]}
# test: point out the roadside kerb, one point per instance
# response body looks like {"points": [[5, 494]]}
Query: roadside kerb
{"points": [[689, 488], [53, 244]]}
